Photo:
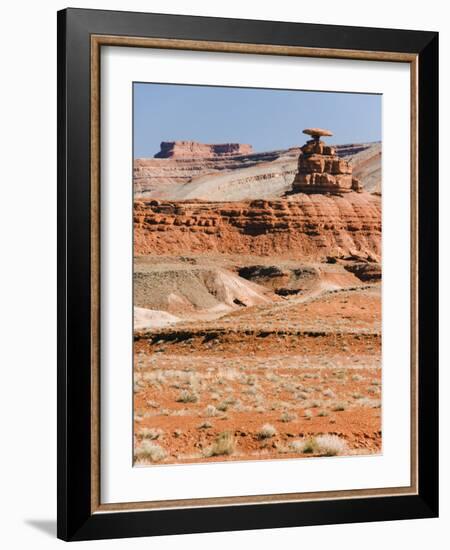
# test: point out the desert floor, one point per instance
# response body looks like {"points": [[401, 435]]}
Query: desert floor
{"points": [[293, 375]]}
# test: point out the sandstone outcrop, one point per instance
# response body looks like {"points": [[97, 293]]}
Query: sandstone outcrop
{"points": [[321, 170], [306, 226], [189, 149], [367, 272]]}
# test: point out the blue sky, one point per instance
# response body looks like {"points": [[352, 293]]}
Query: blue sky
{"points": [[266, 119]]}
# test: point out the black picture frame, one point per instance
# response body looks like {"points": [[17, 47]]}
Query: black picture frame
{"points": [[76, 520]]}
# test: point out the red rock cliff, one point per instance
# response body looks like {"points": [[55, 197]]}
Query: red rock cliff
{"points": [[305, 226]]}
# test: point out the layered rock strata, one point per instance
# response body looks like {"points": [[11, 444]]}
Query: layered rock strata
{"points": [[154, 177], [313, 226]]}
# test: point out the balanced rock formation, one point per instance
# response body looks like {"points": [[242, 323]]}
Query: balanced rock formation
{"points": [[321, 170], [189, 149]]}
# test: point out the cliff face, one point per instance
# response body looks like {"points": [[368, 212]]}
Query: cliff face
{"points": [[304, 226]]}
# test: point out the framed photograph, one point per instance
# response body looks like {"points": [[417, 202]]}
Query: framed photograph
{"points": [[247, 274]]}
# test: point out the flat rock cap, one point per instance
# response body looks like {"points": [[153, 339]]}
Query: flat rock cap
{"points": [[317, 132]]}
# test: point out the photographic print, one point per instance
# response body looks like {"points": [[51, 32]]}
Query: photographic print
{"points": [[247, 267], [257, 274]]}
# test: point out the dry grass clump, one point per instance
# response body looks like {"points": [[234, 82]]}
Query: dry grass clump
{"points": [[210, 411], [204, 425], [187, 396], [150, 433], [266, 431], [223, 445], [303, 446], [308, 414], [322, 445], [370, 403], [149, 451], [339, 406], [328, 393], [357, 395], [287, 416], [330, 445]]}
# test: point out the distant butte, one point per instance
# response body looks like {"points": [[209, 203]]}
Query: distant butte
{"points": [[189, 149]]}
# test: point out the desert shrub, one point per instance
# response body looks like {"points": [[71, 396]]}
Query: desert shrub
{"points": [[210, 411], [307, 414], [150, 451], [204, 425], [296, 446], [287, 416], [266, 431], [339, 406], [357, 395], [187, 397], [230, 400], [323, 445], [370, 403], [323, 413], [223, 445], [150, 433], [304, 446], [328, 393], [330, 445]]}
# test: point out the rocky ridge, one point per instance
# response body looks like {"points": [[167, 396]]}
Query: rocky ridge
{"points": [[242, 176], [312, 226]]}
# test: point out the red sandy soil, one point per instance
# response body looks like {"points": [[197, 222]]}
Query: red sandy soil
{"points": [[308, 365]]}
